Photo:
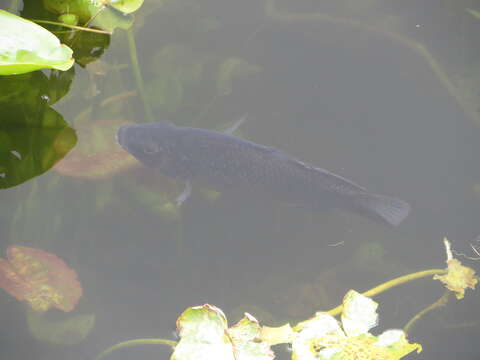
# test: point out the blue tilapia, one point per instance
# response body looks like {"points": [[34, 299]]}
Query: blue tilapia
{"points": [[224, 162]]}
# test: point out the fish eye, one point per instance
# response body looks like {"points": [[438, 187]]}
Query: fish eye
{"points": [[150, 148]]}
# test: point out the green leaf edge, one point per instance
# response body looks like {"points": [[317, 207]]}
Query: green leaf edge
{"points": [[17, 68]]}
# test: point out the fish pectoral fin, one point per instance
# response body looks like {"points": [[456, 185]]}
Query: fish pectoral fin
{"points": [[236, 125], [187, 191]]}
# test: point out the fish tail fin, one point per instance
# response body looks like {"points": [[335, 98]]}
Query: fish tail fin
{"points": [[384, 208]]}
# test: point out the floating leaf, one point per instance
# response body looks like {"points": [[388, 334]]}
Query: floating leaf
{"points": [[204, 335], [323, 338], [83, 9], [69, 331], [28, 89], [359, 314], [39, 278], [245, 337], [87, 46], [458, 278], [109, 19], [28, 135], [126, 6], [26, 46], [93, 12]]}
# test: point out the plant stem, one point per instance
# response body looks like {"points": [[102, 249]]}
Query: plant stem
{"points": [[136, 342], [392, 283], [442, 301], [138, 75], [381, 288], [81, 28], [292, 18]]}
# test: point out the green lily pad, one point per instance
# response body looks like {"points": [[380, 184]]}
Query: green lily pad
{"points": [[126, 6], [98, 13], [83, 9], [204, 335], [27, 89], [26, 46], [32, 140]]}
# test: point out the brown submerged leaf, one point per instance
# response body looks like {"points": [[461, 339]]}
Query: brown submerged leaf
{"points": [[39, 278], [97, 155]]}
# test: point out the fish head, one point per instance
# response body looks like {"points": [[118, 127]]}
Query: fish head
{"points": [[150, 143]]}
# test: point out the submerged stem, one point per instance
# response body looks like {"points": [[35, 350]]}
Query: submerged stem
{"points": [[292, 18], [442, 301], [138, 75], [136, 342]]}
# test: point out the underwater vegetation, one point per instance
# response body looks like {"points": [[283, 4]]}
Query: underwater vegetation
{"points": [[205, 334], [33, 140], [97, 155], [43, 281], [40, 279], [189, 84]]}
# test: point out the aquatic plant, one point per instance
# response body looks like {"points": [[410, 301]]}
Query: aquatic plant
{"points": [[67, 331], [204, 331], [39, 278], [373, 26], [322, 337], [30, 138], [97, 155], [26, 46]]}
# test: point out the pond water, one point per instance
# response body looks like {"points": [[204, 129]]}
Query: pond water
{"points": [[381, 92]]}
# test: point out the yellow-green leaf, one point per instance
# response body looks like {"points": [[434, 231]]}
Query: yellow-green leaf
{"points": [[26, 46]]}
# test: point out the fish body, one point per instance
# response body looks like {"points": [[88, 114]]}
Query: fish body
{"points": [[225, 162]]}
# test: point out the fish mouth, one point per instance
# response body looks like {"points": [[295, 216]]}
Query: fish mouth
{"points": [[121, 134]]}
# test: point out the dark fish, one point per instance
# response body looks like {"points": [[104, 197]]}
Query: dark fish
{"points": [[224, 162]]}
